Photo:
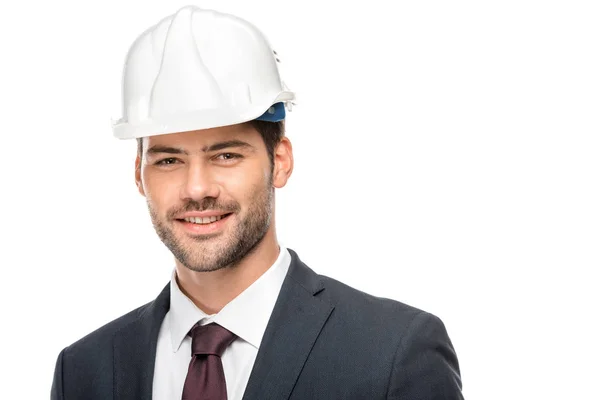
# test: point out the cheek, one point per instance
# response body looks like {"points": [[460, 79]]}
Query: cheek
{"points": [[161, 189], [242, 184]]}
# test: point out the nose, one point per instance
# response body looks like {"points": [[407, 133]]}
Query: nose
{"points": [[199, 183]]}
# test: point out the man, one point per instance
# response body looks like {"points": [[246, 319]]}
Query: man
{"points": [[242, 317]]}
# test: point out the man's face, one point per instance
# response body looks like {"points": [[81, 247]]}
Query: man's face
{"points": [[223, 172]]}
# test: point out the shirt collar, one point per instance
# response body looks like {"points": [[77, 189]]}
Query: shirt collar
{"points": [[246, 315]]}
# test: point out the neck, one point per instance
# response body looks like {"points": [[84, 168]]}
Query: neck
{"points": [[211, 291]]}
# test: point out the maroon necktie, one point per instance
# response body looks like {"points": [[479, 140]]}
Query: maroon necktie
{"points": [[205, 379]]}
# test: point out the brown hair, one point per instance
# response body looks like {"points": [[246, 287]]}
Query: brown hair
{"points": [[271, 133]]}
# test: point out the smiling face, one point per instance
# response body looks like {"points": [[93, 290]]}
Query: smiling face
{"points": [[210, 192]]}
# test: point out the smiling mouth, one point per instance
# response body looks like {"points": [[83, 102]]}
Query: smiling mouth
{"points": [[205, 220]]}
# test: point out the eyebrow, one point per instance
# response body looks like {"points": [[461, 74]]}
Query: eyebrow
{"points": [[157, 149], [227, 144]]}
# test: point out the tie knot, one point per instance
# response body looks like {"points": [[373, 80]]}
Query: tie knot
{"points": [[210, 339]]}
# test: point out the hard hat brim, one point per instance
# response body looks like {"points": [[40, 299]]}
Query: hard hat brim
{"points": [[204, 119]]}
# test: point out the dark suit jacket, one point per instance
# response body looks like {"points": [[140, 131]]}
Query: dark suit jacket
{"points": [[324, 340]]}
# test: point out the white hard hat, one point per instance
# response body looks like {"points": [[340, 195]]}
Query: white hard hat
{"points": [[199, 69]]}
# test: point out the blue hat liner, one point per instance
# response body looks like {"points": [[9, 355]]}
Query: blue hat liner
{"points": [[275, 113]]}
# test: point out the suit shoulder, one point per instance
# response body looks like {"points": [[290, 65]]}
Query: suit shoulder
{"points": [[356, 301], [350, 303], [363, 317], [103, 335]]}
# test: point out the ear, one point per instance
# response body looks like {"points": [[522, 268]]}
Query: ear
{"points": [[138, 175], [283, 159]]}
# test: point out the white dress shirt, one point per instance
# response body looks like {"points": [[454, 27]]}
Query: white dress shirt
{"points": [[247, 316]]}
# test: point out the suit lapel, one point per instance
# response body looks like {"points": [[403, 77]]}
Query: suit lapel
{"points": [[135, 351], [295, 324]]}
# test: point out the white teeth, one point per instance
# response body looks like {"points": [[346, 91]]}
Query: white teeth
{"points": [[205, 220]]}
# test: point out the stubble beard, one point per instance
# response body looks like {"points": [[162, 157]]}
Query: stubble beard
{"points": [[227, 249]]}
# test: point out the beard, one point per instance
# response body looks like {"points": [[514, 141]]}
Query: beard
{"points": [[225, 249]]}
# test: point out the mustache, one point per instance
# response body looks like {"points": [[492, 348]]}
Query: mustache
{"points": [[208, 203]]}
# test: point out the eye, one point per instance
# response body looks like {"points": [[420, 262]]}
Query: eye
{"points": [[228, 156], [166, 161]]}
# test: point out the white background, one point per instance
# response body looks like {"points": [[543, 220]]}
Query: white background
{"points": [[447, 156]]}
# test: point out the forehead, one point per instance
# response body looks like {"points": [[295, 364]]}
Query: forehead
{"points": [[204, 137]]}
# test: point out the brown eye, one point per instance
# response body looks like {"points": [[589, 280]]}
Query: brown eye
{"points": [[228, 156], [166, 161]]}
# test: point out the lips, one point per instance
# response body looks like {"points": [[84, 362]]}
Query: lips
{"points": [[204, 225], [204, 220]]}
